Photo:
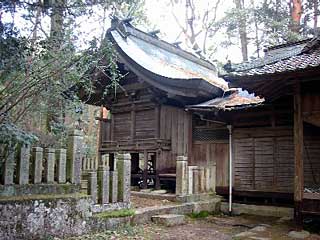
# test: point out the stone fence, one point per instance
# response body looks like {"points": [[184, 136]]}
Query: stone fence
{"points": [[35, 168], [108, 187], [194, 179]]}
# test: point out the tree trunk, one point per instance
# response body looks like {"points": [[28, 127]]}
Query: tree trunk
{"points": [[242, 30], [296, 15], [55, 107], [256, 29], [315, 15]]}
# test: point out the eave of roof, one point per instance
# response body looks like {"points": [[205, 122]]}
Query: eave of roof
{"points": [[159, 59], [234, 100], [284, 64]]}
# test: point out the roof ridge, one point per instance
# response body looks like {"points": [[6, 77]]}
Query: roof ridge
{"points": [[122, 27], [287, 44]]}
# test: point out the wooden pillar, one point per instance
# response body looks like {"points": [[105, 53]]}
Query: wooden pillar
{"points": [[133, 123], [145, 170], [111, 162], [157, 116], [159, 157], [298, 156], [100, 134], [112, 128]]}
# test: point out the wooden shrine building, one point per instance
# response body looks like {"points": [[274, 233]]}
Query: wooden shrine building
{"points": [[147, 114], [275, 144]]}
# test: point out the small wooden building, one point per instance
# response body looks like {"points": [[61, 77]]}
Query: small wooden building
{"points": [[276, 145], [147, 114]]}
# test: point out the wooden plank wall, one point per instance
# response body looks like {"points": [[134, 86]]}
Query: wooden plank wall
{"points": [[122, 123], [208, 153], [263, 159], [312, 161], [175, 125], [145, 124], [133, 118]]}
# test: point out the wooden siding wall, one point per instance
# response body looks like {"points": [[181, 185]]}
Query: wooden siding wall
{"points": [[264, 159], [145, 124], [312, 161], [208, 153], [122, 123], [175, 125], [133, 119]]}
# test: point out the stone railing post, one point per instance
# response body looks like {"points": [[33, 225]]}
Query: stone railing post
{"points": [[37, 158], [181, 176], [62, 161], [92, 186], [212, 185], [124, 177], [114, 186], [201, 179], [74, 156], [190, 179], [9, 165], [207, 178], [196, 180], [49, 168], [103, 184], [23, 164]]}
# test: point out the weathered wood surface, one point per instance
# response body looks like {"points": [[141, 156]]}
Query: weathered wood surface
{"points": [[263, 159], [298, 144]]}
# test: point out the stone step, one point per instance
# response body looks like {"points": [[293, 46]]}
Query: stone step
{"points": [[169, 219]]}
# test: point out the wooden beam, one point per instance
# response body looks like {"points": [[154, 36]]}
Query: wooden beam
{"points": [[298, 155]]}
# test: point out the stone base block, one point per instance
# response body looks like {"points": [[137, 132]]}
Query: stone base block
{"points": [[259, 210], [169, 219]]}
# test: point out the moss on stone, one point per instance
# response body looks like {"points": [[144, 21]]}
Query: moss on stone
{"points": [[197, 215], [116, 213]]}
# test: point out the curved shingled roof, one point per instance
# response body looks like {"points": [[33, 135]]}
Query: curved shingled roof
{"points": [[164, 65]]}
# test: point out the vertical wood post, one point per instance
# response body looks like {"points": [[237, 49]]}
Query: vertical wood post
{"points": [[133, 123], [157, 116], [112, 128], [145, 170], [159, 159], [298, 155]]}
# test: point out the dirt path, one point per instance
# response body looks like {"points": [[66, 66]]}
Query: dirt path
{"points": [[212, 227], [139, 202]]}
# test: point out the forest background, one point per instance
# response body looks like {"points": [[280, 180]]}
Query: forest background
{"points": [[48, 46]]}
